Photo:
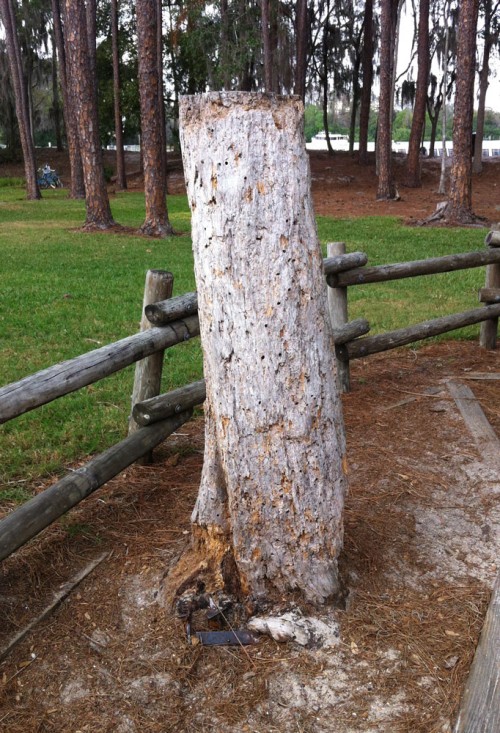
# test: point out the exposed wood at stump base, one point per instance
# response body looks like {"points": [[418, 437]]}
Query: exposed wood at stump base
{"points": [[207, 563]]}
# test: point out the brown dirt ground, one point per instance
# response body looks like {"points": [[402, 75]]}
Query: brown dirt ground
{"points": [[421, 547], [340, 185]]}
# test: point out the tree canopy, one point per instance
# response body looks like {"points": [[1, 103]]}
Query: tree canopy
{"points": [[336, 53]]}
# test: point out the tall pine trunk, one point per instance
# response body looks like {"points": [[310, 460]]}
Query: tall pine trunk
{"points": [[269, 512], [267, 52], [354, 101], [413, 179], [156, 222], [121, 178], [161, 95], [77, 186], [84, 97], [56, 106], [301, 36], [489, 40], [386, 188], [91, 23], [459, 208], [366, 91], [20, 97]]}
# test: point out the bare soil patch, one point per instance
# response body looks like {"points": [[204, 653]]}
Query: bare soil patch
{"points": [[421, 551], [343, 187], [340, 185]]}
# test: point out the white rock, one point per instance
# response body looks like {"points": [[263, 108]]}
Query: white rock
{"points": [[291, 626]]}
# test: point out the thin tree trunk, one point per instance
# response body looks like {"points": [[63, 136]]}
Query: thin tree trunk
{"points": [[354, 102], [325, 114], [28, 75], [156, 222], [442, 179], [433, 113], [269, 511], [20, 97], [224, 45], [11, 128], [324, 79], [489, 41], [98, 211], [444, 154], [121, 178], [386, 188], [161, 96], [459, 208], [56, 106], [274, 14], [477, 164], [77, 186], [413, 179], [266, 46], [301, 36], [366, 91]]}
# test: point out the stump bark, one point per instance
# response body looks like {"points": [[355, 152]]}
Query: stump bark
{"points": [[269, 512]]}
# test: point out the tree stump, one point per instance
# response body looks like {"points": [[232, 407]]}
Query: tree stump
{"points": [[268, 519]]}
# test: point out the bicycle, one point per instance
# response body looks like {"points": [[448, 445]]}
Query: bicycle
{"points": [[48, 178]]}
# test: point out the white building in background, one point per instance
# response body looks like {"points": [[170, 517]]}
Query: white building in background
{"points": [[491, 148]]}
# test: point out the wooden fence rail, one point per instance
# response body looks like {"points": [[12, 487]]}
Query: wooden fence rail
{"points": [[171, 403], [28, 520], [60, 379], [156, 408], [432, 266], [402, 336], [166, 311]]}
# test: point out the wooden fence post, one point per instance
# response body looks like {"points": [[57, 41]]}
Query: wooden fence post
{"points": [[337, 307], [488, 337], [147, 380]]}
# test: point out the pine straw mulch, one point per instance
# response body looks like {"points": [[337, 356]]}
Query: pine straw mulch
{"points": [[419, 561]]}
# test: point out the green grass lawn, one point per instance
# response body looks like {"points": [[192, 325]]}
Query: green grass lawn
{"points": [[64, 292]]}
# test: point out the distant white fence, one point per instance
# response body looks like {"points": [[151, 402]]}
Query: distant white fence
{"points": [[491, 148]]}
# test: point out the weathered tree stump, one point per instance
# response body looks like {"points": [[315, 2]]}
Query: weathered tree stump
{"points": [[269, 512]]}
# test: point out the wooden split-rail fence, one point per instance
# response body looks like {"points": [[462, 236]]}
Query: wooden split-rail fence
{"points": [[169, 321]]}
